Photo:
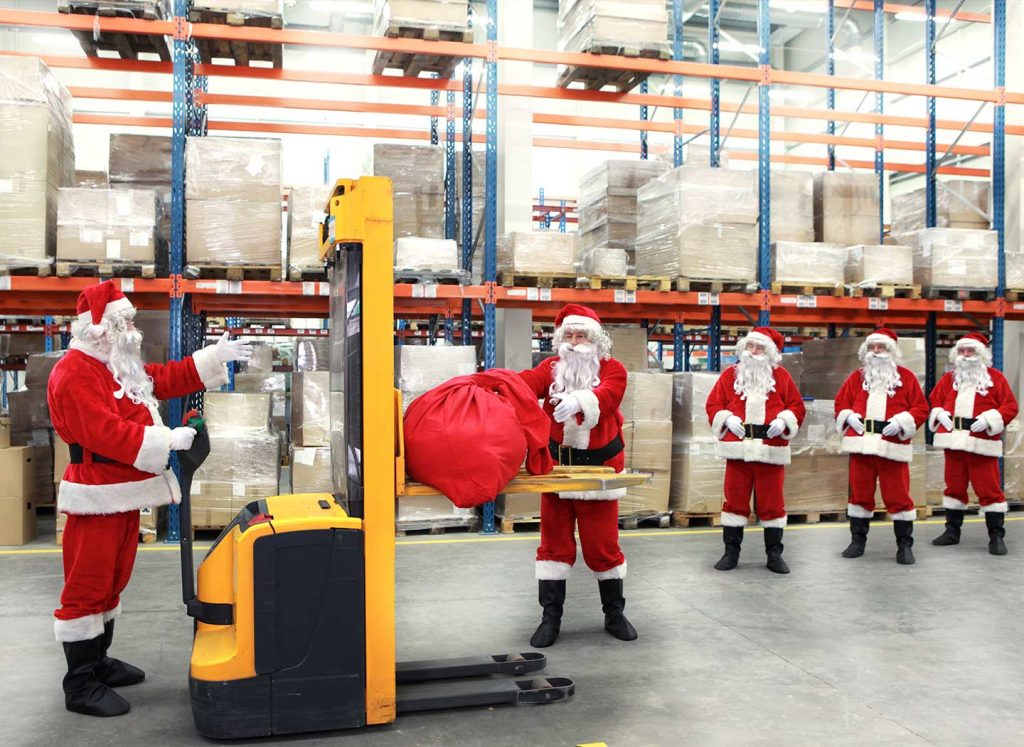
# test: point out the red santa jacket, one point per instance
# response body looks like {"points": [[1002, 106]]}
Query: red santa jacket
{"points": [[598, 423], [785, 403], [907, 406], [998, 405], [85, 411]]}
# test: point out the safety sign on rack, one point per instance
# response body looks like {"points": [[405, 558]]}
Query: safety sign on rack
{"points": [[951, 305], [807, 302], [625, 296], [878, 304], [707, 299]]}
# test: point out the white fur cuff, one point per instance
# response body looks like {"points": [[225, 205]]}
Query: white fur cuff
{"points": [[212, 372], [112, 614], [618, 571], [79, 629], [589, 406], [858, 512], [155, 450], [841, 419], [733, 520], [994, 508], [718, 423], [905, 515], [933, 422], [907, 425], [774, 523], [792, 426], [551, 570], [953, 504], [995, 422]]}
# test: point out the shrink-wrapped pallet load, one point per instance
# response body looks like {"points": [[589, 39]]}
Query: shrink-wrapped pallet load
{"points": [[629, 345], [311, 469], [417, 179], [144, 162], [647, 431], [959, 203], [697, 472], [311, 415], [428, 256], [305, 221], [312, 354], [420, 368], [846, 208], [598, 25], [792, 206], [956, 258], [537, 253], [817, 476], [813, 264], [112, 226], [869, 265]]}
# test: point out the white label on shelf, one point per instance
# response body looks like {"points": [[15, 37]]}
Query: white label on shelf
{"points": [[325, 289], [127, 285], [124, 203], [807, 302], [207, 285], [1017, 306], [951, 305], [707, 299], [789, 300], [91, 235], [139, 238], [305, 456], [5, 283], [235, 287], [519, 293], [308, 288], [238, 489], [197, 487], [624, 296], [532, 294], [113, 248], [878, 304], [6, 185], [545, 294]]}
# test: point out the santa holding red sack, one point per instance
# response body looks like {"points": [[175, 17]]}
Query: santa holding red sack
{"points": [[755, 409], [878, 410], [103, 402], [971, 406], [582, 388]]}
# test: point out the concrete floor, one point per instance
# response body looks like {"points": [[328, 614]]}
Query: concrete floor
{"points": [[841, 651]]}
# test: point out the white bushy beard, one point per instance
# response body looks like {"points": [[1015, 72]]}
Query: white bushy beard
{"points": [[128, 368], [971, 372], [754, 375], [578, 368], [881, 372]]}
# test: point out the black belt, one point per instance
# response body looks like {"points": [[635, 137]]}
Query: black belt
{"points": [[755, 430], [568, 456], [963, 424], [874, 426], [77, 454]]}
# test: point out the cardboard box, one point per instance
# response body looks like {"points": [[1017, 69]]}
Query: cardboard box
{"points": [[17, 520], [875, 264], [538, 252], [5, 432], [425, 511], [648, 444], [18, 472], [518, 506], [649, 499], [227, 169], [61, 457], [629, 346], [311, 414], [648, 396], [311, 469], [234, 232]]}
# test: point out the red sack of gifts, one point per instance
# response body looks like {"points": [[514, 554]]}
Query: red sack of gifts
{"points": [[468, 437]]}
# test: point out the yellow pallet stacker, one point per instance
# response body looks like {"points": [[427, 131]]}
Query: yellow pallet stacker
{"points": [[295, 608]]}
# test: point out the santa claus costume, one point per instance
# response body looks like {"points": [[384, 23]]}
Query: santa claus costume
{"points": [[878, 410], [582, 388], [103, 403], [971, 406], [755, 410]]}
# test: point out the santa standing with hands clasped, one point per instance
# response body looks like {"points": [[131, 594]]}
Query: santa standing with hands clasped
{"points": [[755, 410], [582, 388], [103, 403], [971, 406]]}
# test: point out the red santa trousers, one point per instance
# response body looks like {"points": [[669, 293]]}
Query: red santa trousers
{"points": [[765, 481], [867, 470], [598, 522], [983, 474], [99, 554]]}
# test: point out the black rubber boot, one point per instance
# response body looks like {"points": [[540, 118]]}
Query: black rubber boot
{"points": [[858, 537], [954, 520], [773, 549], [83, 693], [613, 603], [114, 672], [733, 539], [904, 531], [996, 531], [551, 595]]}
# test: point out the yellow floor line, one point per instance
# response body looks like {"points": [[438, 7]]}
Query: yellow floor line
{"points": [[160, 547]]}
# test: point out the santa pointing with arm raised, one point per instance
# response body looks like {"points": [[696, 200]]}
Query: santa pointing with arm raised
{"points": [[103, 403], [755, 409], [971, 406], [582, 389], [878, 410]]}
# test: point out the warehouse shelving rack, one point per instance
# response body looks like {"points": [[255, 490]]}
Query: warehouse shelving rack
{"points": [[189, 299]]}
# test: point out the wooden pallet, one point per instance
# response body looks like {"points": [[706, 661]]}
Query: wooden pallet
{"points": [[127, 46], [88, 268], [509, 524], [888, 290], [706, 285], [958, 294], [1016, 294], [307, 274], [814, 517], [414, 64], [662, 521], [598, 78], [42, 271], [808, 290], [685, 519], [625, 282], [432, 277], [234, 272], [242, 52], [509, 279], [441, 526]]}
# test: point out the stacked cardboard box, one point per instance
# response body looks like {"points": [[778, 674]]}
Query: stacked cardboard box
{"points": [[959, 203], [629, 346], [106, 225], [699, 223], [244, 7], [814, 264], [816, 479], [873, 264], [538, 253], [647, 412], [697, 473], [608, 214], [305, 219], [233, 188], [311, 432], [959, 258], [17, 495], [846, 208], [30, 421], [37, 158], [243, 465], [792, 206], [425, 255], [92, 179], [417, 13], [417, 179], [518, 506], [144, 162], [596, 25]]}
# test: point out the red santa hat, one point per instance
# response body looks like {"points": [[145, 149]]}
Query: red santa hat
{"points": [[577, 315], [976, 339], [770, 338], [100, 301], [883, 335]]}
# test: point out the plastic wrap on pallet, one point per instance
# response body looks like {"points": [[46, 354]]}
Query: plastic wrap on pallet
{"points": [[428, 511], [629, 345], [648, 449], [817, 435], [794, 363], [143, 160], [446, 14], [245, 7], [792, 206], [1015, 270], [618, 204], [846, 208], [619, 179], [956, 258], [874, 264], [611, 232], [604, 261], [305, 220], [224, 232], [29, 415], [312, 354], [648, 396], [232, 169], [412, 169], [808, 263], [262, 360], [92, 179], [537, 252], [697, 478], [690, 393], [414, 253], [311, 469], [514, 506], [422, 367], [584, 24], [107, 225], [311, 414], [959, 203], [420, 215]]}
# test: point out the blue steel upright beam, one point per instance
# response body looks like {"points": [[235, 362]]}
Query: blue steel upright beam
{"points": [[435, 100], [677, 54], [715, 339], [764, 161], [880, 109], [715, 121], [929, 154], [48, 334], [680, 351], [467, 184], [999, 170], [449, 169], [643, 118], [830, 69], [491, 214]]}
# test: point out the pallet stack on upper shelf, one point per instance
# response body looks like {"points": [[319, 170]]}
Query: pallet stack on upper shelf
{"points": [[126, 46], [431, 20], [254, 13]]}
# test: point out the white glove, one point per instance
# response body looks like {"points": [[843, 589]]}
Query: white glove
{"points": [[181, 438], [854, 423], [734, 424], [979, 424], [891, 428], [776, 428], [567, 407], [945, 419], [228, 350]]}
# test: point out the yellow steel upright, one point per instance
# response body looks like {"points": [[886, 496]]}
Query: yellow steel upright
{"points": [[361, 211]]}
